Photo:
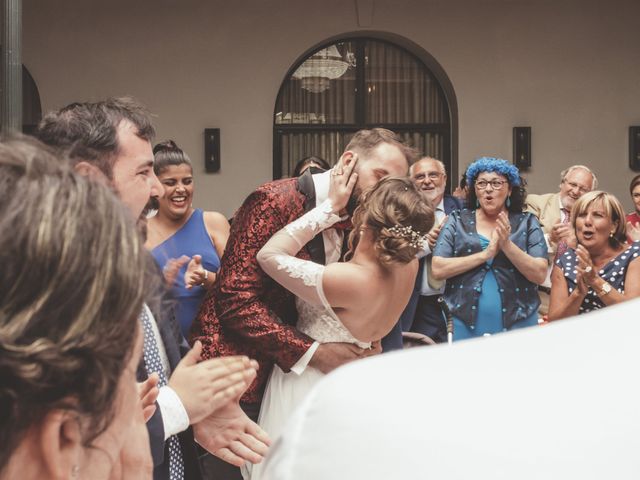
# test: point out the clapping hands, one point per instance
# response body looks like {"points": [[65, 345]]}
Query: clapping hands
{"points": [[586, 272], [432, 236], [196, 274], [500, 236], [562, 232], [172, 268], [633, 231]]}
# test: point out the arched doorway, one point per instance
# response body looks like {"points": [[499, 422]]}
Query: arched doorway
{"points": [[354, 82]]}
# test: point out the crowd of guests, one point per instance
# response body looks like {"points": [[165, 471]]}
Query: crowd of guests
{"points": [[331, 265]]}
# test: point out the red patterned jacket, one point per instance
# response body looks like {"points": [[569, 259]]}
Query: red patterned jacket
{"points": [[246, 312]]}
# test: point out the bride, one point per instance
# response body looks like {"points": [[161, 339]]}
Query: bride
{"points": [[358, 301]]}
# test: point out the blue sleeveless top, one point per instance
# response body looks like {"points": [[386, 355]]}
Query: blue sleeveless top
{"points": [[191, 239]]}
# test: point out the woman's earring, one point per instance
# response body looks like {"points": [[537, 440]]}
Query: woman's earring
{"points": [[508, 203], [477, 203], [361, 231], [611, 234], [74, 471]]}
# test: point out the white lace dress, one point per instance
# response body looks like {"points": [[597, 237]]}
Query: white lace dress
{"points": [[316, 318]]}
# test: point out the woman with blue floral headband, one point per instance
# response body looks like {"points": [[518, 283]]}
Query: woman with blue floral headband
{"points": [[491, 254]]}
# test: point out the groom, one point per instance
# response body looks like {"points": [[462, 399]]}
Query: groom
{"points": [[248, 313]]}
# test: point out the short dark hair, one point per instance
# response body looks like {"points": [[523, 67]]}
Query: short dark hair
{"points": [[366, 140], [89, 131], [166, 154], [635, 181], [322, 163]]}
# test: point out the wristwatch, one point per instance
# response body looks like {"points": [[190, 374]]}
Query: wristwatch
{"points": [[605, 289]]}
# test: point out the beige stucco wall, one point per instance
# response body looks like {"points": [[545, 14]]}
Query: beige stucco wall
{"points": [[569, 69]]}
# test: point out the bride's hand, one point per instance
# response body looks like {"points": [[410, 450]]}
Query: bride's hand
{"points": [[343, 179]]}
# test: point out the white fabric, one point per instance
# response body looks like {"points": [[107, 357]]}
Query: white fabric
{"points": [[559, 401], [277, 259], [425, 288], [174, 416], [316, 318], [332, 240], [331, 237], [304, 360]]}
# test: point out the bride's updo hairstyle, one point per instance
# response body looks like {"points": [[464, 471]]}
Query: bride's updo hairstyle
{"points": [[72, 284], [398, 215]]}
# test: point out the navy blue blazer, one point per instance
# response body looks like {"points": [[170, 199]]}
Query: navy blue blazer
{"points": [[161, 306], [393, 341]]}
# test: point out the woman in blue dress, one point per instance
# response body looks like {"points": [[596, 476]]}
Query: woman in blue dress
{"points": [[186, 242], [604, 269], [491, 254]]}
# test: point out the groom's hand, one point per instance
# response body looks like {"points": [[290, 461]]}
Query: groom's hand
{"points": [[330, 356]]}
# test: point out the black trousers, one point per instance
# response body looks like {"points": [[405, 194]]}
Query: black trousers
{"points": [[429, 319]]}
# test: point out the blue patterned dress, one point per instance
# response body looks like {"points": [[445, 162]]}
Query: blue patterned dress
{"points": [[495, 296]]}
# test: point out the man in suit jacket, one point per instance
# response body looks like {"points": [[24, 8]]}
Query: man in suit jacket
{"points": [[423, 313], [554, 212], [110, 141], [249, 313]]}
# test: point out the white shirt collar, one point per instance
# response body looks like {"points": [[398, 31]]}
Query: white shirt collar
{"points": [[321, 185]]}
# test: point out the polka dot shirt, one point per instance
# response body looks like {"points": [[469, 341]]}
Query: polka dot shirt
{"points": [[614, 272]]}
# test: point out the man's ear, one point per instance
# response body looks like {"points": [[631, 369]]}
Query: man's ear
{"points": [[347, 157], [60, 444], [91, 172]]}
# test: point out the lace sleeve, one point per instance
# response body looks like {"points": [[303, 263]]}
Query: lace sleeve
{"points": [[277, 257]]}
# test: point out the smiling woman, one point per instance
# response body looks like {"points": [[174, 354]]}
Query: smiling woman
{"points": [[603, 269], [187, 243]]}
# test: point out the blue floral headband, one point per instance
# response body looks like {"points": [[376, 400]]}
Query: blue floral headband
{"points": [[497, 165]]}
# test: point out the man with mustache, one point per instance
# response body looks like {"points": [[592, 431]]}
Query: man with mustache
{"points": [[554, 212]]}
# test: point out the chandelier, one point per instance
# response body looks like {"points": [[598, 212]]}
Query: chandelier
{"points": [[325, 65]]}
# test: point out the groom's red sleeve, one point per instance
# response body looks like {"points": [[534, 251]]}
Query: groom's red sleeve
{"points": [[256, 316]]}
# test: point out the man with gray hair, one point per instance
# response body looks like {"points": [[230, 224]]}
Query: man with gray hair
{"points": [[423, 313], [554, 212]]}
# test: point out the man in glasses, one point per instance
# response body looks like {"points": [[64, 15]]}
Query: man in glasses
{"points": [[423, 313], [554, 212]]}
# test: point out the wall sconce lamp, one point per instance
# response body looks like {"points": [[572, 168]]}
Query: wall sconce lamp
{"points": [[212, 150], [634, 148], [522, 147]]}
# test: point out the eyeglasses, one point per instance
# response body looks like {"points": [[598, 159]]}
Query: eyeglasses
{"points": [[430, 175], [495, 184], [580, 188]]}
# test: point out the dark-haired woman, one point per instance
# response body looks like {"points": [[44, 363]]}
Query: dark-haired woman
{"points": [[317, 165], [603, 270], [491, 254], [633, 218], [186, 242]]}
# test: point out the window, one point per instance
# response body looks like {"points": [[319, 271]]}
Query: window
{"points": [[358, 83]]}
